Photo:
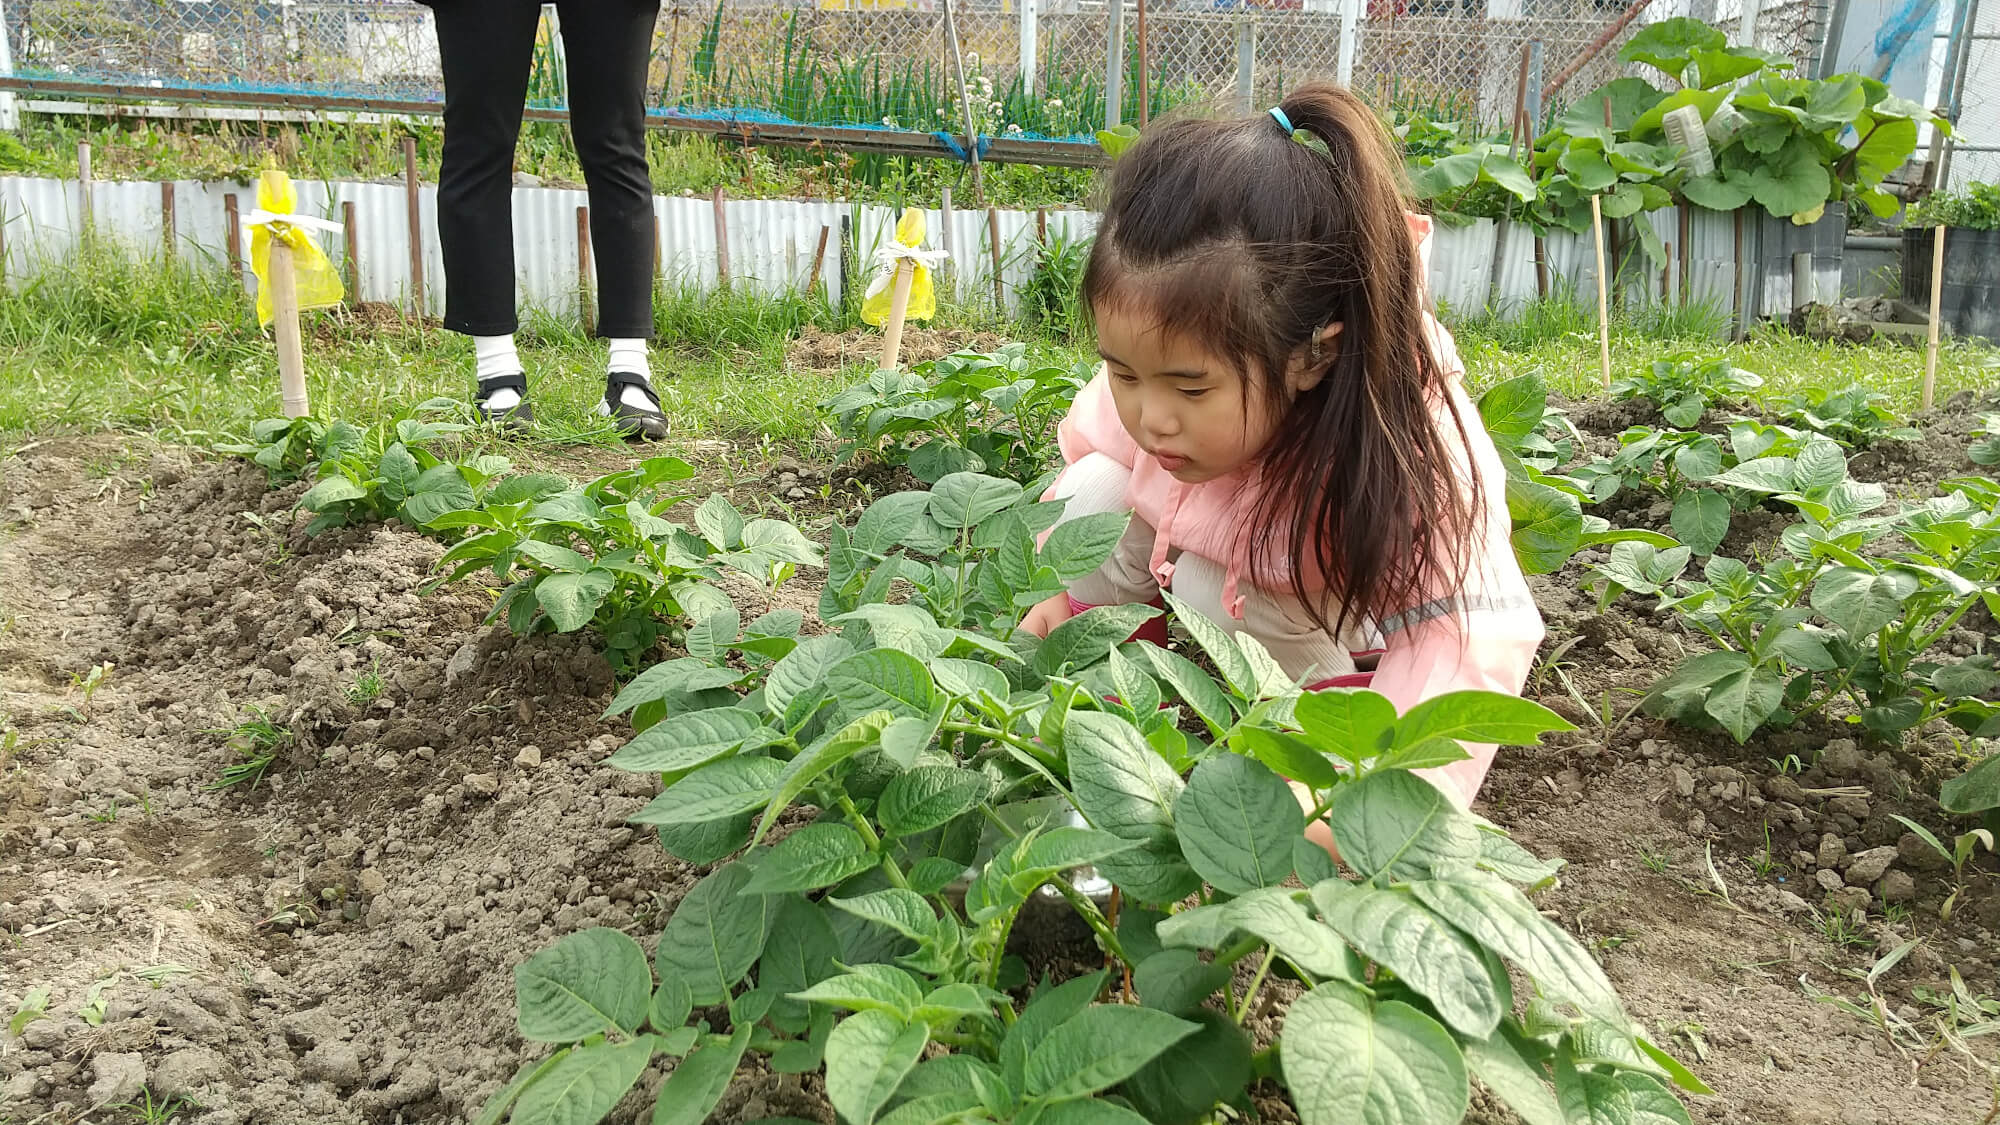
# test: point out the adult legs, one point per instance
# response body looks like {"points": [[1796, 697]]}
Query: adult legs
{"points": [[609, 44]]}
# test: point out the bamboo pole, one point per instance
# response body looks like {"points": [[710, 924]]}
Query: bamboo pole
{"points": [[964, 105], [819, 260], [1603, 308], [285, 324], [86, 205], [169, 233], [1937, 297], [351, 241], [584, 312], [413, 203], [1042, 225], [659, 244], [993, 236], [899, 307], [721, 240], [232, 236]]}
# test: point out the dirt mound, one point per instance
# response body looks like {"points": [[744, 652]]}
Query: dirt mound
{"points": [[336, 943], [828, 352]]}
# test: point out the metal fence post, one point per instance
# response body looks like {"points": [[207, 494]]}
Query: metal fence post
{"points": [[1350, 13], [1246, 61], [1030, 31], [1114, 64]]}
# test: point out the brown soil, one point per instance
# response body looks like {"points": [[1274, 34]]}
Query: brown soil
{"points": [[339, 941], [815, 350]]}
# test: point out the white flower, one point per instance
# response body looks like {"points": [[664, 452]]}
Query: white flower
{"points": [[889, 122], [972, 58], [1013, 128], [1055, 103]]}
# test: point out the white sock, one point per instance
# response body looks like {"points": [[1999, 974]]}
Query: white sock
{"points": [[628, 357], [495, 355]]}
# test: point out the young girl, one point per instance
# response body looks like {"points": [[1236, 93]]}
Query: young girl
{"points": [[1284, 417]]}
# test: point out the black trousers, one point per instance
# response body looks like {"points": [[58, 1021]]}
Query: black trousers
{"points": [[487, 47]]}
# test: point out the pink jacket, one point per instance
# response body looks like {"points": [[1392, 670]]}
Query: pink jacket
{"points": [[1482, 635]]}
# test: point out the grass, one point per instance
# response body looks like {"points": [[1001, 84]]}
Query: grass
{"points": [[256, 741], [106, 340]]}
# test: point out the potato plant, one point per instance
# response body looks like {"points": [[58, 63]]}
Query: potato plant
{"points": [[969, 412], [938, 781], [600, 555], [1683, 386], [1856, 416]]}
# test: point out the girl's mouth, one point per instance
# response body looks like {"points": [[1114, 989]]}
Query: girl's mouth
{"points": [[1171, 462]]}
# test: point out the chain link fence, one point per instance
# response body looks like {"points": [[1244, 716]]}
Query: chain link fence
{"points": [[1048, 69]]}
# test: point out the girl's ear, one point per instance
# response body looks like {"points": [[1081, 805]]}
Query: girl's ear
{"points": [[1310, 365]]}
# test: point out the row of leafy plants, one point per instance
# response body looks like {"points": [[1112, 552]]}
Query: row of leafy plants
{"points": [[1852, 616], [1788, 144], [884, 803]]}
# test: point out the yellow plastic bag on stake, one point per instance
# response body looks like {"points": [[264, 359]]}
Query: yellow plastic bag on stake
{"points": [[908, 244], [317, 282]]}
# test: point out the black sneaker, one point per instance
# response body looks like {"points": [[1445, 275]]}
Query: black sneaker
{"points": [[515, 418], [632, 421]]}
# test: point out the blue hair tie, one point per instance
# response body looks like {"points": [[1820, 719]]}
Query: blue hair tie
{"points": [[1284, 122]]}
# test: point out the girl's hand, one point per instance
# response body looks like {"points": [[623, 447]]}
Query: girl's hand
{"points": [[1047, 615]]}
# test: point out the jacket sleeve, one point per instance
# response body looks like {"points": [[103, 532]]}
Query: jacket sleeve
{"points": [[1092, 426], [1482, 635]]}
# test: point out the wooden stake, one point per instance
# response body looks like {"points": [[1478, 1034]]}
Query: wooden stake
{"points": [[721, 242], [351, 239], [659, 244], [1937, 297], [819, 259], [1541, 268], [86, 207], [584, 311], [413, 201], [993, 236], [1042, 225], [1603, 309], [949, 274], [285, 323], [232, 236], [899, 307], [169, 234], [1687, 255]]}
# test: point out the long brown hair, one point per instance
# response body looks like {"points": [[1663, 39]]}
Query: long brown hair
{"points": [[1234, 234]]}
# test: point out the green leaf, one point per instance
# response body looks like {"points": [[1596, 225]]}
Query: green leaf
{"points": [[1153, 870], [1680, 1074], [437, 490], [670, 1005], [1701, 519], [866, 1058], [1236, 822], [1395, 823], [969, 678], [800, 953], [1792, 180], [1097, 1048], [1192, 684], [332, 490], [862, 734], [1820, 463], [883, 680], [1183, 1083], [554, 557], [717, 791], [1088, 637], [496, 1107], [1669, 43], [571, 600], [716, 934], [869, 988], [1218, 644], [1178, 981], [1502, 919], [1393, 929], [1502, 1066], [928, 797], [1548, 525], [1290, 756], [720, 523], [804, 670], [903, 911], [696, 1086], [399, 472], [1348, 1064], [1974, 791], [1725, 189], [815, 856], [1743, 700], [1079, 546], [1503, 856], [684, 741], [1088, 1111], [1478, 716], [1514, 408], [585, 1085], [685, 676], [1354, 723], [1859, 602], [1121, 784], [1050, 1008], [1274, 915], [965, 500], [588, 982], [889, 521], [711, 637]]}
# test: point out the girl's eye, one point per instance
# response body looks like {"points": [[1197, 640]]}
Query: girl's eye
{"points": [[1125, 377], [1194, 392]]}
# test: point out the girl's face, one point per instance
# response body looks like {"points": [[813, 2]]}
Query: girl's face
{"points": [[1197, 413]]}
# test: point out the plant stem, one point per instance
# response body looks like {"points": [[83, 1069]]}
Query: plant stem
{"points": [[1256, 983], [873, 841], [1093, 917]]}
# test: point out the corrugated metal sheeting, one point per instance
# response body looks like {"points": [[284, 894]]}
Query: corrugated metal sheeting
{"points": [[772, 244]]}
